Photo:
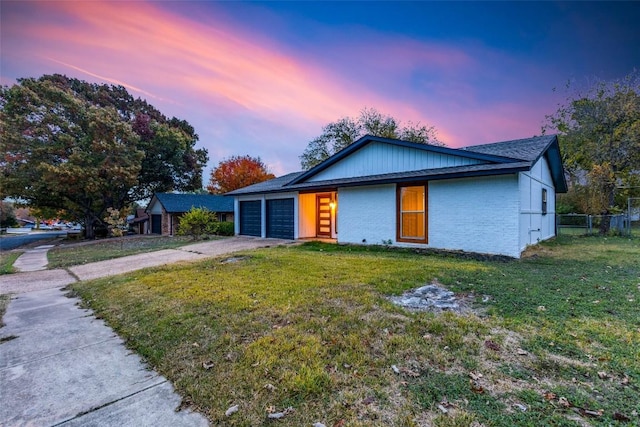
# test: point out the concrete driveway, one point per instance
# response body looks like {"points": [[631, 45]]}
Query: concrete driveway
{"points": [[60, 366]]}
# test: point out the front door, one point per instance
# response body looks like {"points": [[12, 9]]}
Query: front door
{"points": [[156, 224], [323, 215]]}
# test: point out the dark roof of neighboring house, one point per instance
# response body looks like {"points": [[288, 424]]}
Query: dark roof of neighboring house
{"points": [[140, 216], [179, 203], [499, 158]]}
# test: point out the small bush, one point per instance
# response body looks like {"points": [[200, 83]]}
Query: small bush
{"points": [[225, 228], [198, 222]]}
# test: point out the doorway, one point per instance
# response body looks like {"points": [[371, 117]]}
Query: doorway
{"points": [[324, 223]]}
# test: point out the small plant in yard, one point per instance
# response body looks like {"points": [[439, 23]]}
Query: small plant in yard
{"points": [[197, 223], [225, 228], [307, 334], [116, 222]]}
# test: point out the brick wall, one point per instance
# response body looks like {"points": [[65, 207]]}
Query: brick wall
{"points": [[473, 214]]}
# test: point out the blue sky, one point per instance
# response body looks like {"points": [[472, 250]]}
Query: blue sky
{"points": [[262, 78]]}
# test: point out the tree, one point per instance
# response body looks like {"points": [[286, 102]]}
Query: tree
{"points": [[237, 172], [82, 148], [7, 215], [345, 131], [600, 141]]}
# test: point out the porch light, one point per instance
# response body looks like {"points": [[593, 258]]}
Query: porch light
{"points": [[332, 205]]}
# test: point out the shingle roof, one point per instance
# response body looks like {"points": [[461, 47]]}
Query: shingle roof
{"points": [[529, 149], [499, 158], [178, 203], [267, 186]]}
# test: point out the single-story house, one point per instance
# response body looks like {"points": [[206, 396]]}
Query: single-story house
{"points": [[140, 221], [494, 198], [165, 209]]}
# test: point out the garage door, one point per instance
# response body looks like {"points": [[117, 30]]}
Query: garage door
{"points": [[250, 218], [280, 218]]}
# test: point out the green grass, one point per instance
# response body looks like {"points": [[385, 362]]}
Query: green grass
{"points": [[4, 303], [310, 328], [86, 252], [6, 261]]}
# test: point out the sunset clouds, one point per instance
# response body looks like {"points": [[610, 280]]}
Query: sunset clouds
{"points": [[254, 79]]}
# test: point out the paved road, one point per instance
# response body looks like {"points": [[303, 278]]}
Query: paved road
{"points": [[15, 241]]}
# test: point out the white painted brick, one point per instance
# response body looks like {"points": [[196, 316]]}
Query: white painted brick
{"points": [[475, 214]]}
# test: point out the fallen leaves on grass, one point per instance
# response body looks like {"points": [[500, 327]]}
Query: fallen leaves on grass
{"points": [[492, 345]]}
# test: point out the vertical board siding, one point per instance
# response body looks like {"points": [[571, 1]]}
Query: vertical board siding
{"points": [[378, 158], [534, 226]]}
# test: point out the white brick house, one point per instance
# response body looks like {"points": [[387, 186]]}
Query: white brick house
{"points": [[494, 198]]}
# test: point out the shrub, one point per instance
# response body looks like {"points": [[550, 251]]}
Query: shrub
{"points": [[225, 228], [198, 222], [116, 222]]}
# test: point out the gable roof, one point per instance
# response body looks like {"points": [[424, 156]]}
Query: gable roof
{"points": [[496, 159], [368, 139], [531, 150], [180, 203]]}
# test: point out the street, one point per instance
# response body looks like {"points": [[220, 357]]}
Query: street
{"points": [[15, 241]]}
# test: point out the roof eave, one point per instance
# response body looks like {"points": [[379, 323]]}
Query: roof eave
{"points": [[392, 180]]}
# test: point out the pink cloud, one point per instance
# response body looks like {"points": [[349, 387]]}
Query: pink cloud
{"points": [[243, 90]]}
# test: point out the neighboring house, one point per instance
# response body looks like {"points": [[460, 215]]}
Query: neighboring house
{"points": [[165, 209], [140, 221], [495, 198]]}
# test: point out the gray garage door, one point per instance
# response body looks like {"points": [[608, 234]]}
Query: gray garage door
{"points": [[250, 218], [280, 218]]}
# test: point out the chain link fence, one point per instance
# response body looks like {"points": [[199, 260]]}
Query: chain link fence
{"points": [[587, 225]]}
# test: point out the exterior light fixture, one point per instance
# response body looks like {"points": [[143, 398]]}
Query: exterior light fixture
{"points": [[332, 205]]}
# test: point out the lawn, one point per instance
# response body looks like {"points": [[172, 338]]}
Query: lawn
{"points": [[306, 333], [72, 254], [6, 261]]}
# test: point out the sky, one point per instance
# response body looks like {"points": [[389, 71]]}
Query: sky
{"points": [[263, 78]]}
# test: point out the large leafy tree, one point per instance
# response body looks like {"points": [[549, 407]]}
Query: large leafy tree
{"points": [[600, 141], [79, 148], [237, 172], [345, 131]]}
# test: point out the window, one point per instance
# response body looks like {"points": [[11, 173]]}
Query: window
{"points": [[412, 214], [544, 201]]}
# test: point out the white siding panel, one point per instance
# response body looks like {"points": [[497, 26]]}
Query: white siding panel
{"points": [[379, 158], [475, 215], [534, 226], [367, 214]]}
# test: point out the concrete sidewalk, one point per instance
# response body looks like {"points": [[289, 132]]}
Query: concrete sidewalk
{"points": [[59, 365]]}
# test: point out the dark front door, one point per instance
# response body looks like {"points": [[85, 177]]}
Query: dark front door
{"points": [[323, 215], [156, 224], [280, 221], [251, 218]]}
